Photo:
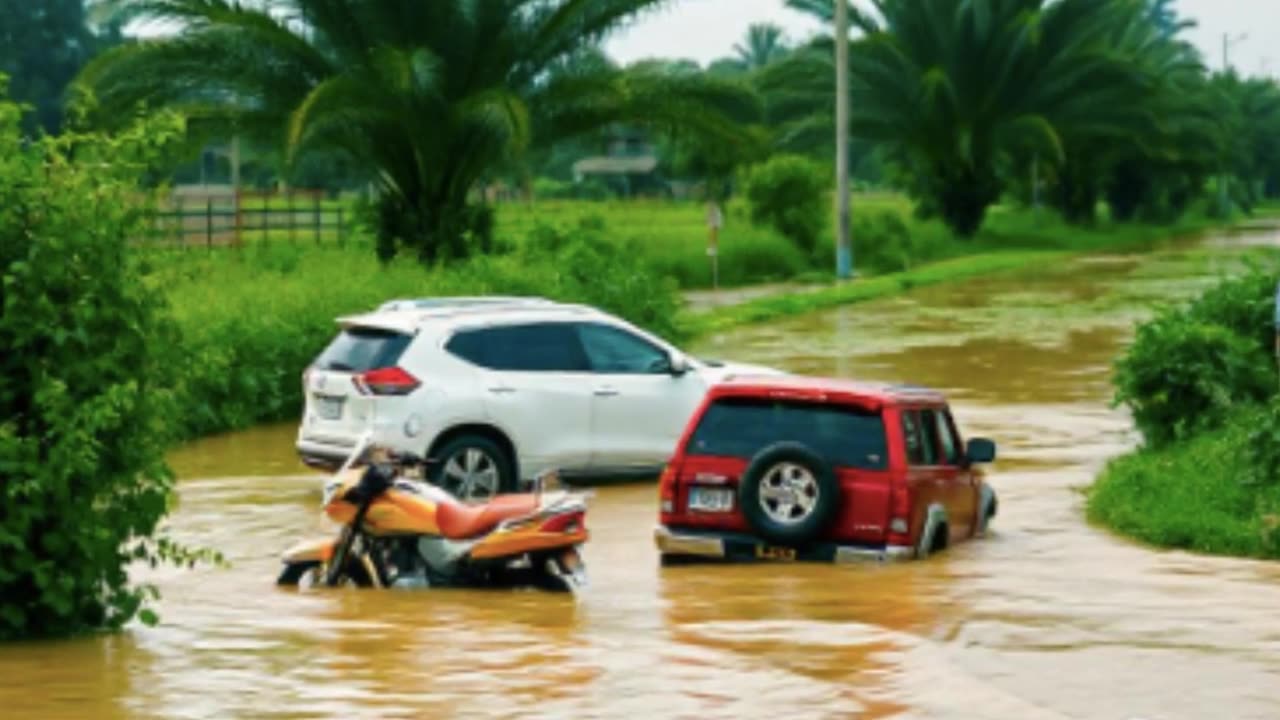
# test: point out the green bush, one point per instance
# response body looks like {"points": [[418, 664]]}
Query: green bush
{"points": [[790, 194], [1191, 367], [1245, 306], [1262, 448], [85, 403]]}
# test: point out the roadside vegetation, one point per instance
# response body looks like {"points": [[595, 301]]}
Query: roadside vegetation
{"points": [[1201, 383], [86, 402]]}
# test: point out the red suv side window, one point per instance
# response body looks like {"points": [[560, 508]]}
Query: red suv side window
{"points": [[921, 438], [950, 446]]}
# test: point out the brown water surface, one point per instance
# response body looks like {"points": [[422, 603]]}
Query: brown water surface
{"points": [[1049, 618]]}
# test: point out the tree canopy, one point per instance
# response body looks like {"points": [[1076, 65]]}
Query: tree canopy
{"points": [[431, 96]]}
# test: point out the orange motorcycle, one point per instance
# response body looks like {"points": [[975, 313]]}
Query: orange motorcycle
{"points": [[399, 531]]}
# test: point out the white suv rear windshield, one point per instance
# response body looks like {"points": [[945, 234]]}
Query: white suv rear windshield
{"points": [[360, 349], [742, 427]]}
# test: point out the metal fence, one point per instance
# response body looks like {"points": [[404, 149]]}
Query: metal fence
{"points": [[233, 219]]}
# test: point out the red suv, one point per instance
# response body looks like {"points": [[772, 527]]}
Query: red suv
{"points": [[797, 468]]}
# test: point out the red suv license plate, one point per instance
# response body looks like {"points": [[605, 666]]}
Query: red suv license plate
{"points": [[704, 499]]}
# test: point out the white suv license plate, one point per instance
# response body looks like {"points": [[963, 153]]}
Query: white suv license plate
{"points": [[329, 408], [703, 499]]}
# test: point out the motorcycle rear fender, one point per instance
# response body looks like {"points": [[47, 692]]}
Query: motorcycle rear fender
{"points": [[311, 551]]}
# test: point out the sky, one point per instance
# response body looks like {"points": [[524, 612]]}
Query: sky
{"points": [[704, 30]]}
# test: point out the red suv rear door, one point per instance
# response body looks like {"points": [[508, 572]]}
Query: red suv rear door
{"points": [[962, 509]]}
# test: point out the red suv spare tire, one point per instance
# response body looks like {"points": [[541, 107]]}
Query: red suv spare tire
{"points": [[788, 494]]}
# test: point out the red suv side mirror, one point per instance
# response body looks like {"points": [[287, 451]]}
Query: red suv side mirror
{"points": [[980, 450]]}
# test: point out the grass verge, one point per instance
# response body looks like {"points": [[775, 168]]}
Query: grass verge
{"points": [[777, 306], [1011, 241], [1195, 495]]}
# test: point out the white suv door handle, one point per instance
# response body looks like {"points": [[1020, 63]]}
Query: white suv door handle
{"points": [[502, 390], [606, 391]]}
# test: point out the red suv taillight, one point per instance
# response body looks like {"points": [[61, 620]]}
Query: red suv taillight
{"points": [[386, 381], [667, 489], [900, 516]]}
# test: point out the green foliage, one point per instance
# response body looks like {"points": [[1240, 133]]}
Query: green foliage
{"points": [[883, 242], [953, 87], [764, 43], [490, 79], [42, 46], [1191, 367], [88, 366], [1249, 113], [1262, 448], [671, 236], [1204, 494], [790, 194]]}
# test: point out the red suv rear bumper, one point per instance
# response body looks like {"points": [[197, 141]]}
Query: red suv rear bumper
{"points": [[713, 545]]}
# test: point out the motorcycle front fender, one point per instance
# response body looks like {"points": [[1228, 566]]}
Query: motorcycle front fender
{"points": [[311, 551]]}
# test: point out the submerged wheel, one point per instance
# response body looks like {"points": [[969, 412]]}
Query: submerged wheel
{"points": [[293, 573], [310, 573], [788, 494], [473, 468]]}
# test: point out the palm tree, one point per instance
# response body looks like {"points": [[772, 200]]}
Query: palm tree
{"points": [[430, 96], [1156, 160], [764, 43], [951, 86]]}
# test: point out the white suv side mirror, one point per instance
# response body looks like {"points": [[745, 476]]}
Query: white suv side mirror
{"points": [[679, 364]]}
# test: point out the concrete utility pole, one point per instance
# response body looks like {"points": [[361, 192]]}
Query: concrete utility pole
{"points": [[844, 244]]}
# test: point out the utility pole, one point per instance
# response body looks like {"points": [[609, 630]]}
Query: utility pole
{"points": [[844, 244]]}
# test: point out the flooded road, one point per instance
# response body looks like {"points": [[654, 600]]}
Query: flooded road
{"points": [[1048, 618]]}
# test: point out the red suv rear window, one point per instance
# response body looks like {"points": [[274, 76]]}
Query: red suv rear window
{"points": [[741, 427]]}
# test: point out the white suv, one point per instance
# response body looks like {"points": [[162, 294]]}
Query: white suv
{"points": [[492, 390]]}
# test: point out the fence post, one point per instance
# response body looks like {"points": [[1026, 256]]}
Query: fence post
{"points": [[182, 224], [316, 204], [266, 215], [208, 223], [236, 198], [288, 202], [341, 236]]}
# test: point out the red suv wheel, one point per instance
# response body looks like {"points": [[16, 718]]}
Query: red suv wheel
{"points": [[788, 494]]}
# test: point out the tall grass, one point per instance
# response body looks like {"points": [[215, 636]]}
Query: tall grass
{"points": [[1198, 495], [251, 320]]}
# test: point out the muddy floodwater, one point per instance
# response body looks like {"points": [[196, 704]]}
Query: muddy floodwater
{"points": [[1048, 618]]}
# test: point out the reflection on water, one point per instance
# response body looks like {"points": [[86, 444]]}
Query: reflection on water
{"points": [[1049, 618]]}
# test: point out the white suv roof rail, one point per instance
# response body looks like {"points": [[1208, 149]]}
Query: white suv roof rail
{"points": [[433, 303]]}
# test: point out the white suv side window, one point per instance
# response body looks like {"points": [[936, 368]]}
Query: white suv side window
{"points": [[532, 347], [611, 350]]}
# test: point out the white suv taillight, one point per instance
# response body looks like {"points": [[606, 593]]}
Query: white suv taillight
{"points": [[385, 381]]}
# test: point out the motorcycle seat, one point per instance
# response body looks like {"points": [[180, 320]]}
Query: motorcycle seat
{"points": [[460, 522]]}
